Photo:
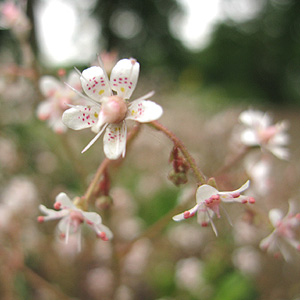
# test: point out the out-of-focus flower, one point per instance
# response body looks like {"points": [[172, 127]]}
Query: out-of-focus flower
{"points": [[71, 218], [261, 132], [189, 274], [58, 97], [13, 17], [109, 59], [209, 201], [259, 172], [109, 111], [283, 237], [247, 260]]}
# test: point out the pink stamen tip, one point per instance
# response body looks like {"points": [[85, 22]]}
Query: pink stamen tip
{"points": [[204, 224], [57, 205], [214, 197], [298, 217], [102, 236], [244, 201], [186, 214], [61, 72], [251, 200], [298, 247], [89, 222], [62, 235], [236, 195], [41, 219]]}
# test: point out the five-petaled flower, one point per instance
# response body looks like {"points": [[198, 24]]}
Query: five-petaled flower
{"points": [[110, 111], [209, 200], [259, 131], [71, 218], [58, 96], [283, 237]]}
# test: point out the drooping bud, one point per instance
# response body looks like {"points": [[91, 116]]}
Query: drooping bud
{"points": [[178, 175]]}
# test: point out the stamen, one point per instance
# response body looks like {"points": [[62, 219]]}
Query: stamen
{"points": [[41, 219], [251, 200], [57, 205], [94, 139]]}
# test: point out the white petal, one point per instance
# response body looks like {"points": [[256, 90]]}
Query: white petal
{"points": [[115, 140], [93, 217], [95, 84], [204, 192], [102, 228], [181, 217], [74, 80], [47, 211], [80, 117], [275, 216], [49, 85], [124, 77], [65, 201], [280, 152], [144, 111], [239, 190], [249, 137], [45, 109]]}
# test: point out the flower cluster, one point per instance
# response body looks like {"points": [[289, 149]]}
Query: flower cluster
{"points": [[209, 201], [108, 111], [71, 218]]}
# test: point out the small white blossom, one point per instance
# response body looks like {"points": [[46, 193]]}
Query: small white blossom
{"points": [[58, 97], [209, 200], [71, 218], [261, 132], [284, 234], [110, 111]]}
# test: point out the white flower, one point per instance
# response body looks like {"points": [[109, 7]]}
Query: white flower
{"points": [[110, 111], [260, 132], [284, 234], [71, 219], [208, 201], [58, 96]]}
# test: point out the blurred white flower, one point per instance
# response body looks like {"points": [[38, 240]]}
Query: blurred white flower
{"points": [[13, 17], [58, 97], [109, 111], [208, 203], [283, 237], [261, 132], [71, 218]]}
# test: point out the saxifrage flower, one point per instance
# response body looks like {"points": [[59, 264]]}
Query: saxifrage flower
{"points": [[72, 218], [283, 237], [57, 98], [209, 201], [261, 132], [109, 110]]}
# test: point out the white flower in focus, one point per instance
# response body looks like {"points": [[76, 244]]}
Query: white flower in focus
{"points": [[110, 111], [58, 97], [209, 201], [261, 132], [284, 234], [12, 17], [71, 219]]}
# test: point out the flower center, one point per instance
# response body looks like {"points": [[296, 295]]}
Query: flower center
{"points": [[114, 110]]}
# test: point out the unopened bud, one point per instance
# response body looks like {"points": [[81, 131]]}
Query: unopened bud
{"points": [[178, 178], [104, 202]]}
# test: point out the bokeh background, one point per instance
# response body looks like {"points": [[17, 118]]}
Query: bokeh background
{"points": [[207, 61]]}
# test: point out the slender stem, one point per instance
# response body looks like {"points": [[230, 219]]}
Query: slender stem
{"points": [[105, 163], [233, 160], [39, 281], [177, 142]]}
